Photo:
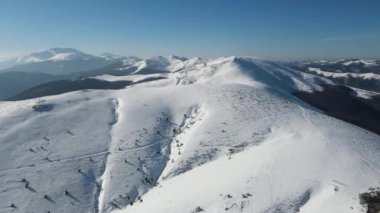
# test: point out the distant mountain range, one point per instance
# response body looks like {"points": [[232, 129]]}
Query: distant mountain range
{"points": [[56, 61], [60, 70], [344, 65], [20, 73], [362, 74]]}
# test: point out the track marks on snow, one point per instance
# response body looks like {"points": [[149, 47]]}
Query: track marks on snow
{"points": [[335, 143], [56, 161]]}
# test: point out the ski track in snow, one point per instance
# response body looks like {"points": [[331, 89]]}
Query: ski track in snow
{"points": [[306, 116], [63, 160]]}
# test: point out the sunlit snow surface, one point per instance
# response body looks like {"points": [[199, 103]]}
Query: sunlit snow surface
{"points": [[221, 135]]}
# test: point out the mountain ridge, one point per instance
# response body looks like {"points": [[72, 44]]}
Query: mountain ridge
{"points": [[224, 134]]}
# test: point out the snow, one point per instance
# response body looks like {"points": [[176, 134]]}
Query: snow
{"points": [[268, 175], [297, 159], [53, 54], [364, 93], [344, 62], [63, 57], [29, 60], [47, 149], [367, 63], [171, 63], [371, 76], [216, 133], [133, 78], [110, 56]]}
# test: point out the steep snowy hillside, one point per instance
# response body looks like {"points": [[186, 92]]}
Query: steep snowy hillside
{"points": [[215, 135]]}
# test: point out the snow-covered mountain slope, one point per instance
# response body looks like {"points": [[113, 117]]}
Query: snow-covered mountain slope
{"points": [[57, 61], [222, 135], [188, 71]]}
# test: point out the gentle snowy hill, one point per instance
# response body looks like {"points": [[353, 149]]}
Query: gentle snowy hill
{"points": [[210, 135]]}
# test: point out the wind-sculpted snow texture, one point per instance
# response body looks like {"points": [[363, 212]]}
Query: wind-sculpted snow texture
{"points": [[221, 135]]}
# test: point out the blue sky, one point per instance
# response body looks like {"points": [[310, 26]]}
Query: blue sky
{"points": [[272, 29]]}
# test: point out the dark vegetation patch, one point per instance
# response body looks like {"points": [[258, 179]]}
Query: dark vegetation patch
{"points": [[338, 102], [43, 107], [198, 209], [64, 86], [371, 200]]}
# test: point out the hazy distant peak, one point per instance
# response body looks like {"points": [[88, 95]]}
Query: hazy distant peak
{"points": [[57, 50], [54, 61], [111, 56]]}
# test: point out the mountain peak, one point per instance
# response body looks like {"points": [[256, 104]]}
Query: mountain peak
{"points": [[57, 50]]}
